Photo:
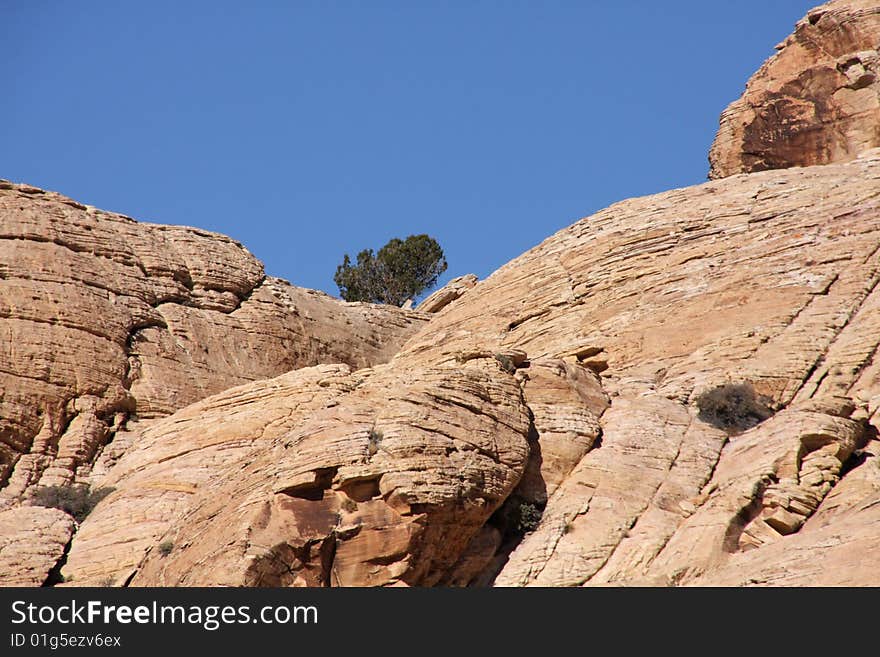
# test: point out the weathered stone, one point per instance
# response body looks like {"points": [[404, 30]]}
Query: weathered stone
{"points": [[387, 486], [567, 385], [173, 459], [453, 290], [816, 101], [784, 521], [32, 540], [364, 493], [104, 321]]}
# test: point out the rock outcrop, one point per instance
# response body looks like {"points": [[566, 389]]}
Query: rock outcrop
{"points": [[33, 541], [105, 320], [816, 101], [681, 389], [567, 385], [104, 317], [453, 290], [769, 280]]}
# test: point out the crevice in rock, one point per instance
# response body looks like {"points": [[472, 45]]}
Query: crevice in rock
{"points": [[746, 515], [54, 576], [70, 247], [780, 507], [129, 579], [328, 556], [361, 489], [244, 298], [851, 315], [517, 516], [313, 490], [858, 458], [519, 321], [860, 455], [56, 322]]}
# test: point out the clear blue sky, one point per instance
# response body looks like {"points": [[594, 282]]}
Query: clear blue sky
{"points": [[310, 129]]}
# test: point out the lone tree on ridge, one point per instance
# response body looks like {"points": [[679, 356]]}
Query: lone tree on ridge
{"points": [[401, 270]]}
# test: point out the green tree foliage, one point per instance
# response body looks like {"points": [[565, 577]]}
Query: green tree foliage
{"points": [[401, 270]]}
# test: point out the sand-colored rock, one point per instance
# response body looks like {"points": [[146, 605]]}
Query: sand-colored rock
{"points": [[816, 101], [566, 401], [571, 383], [835, 547], [454, 289], [173, 459], [766, 483], [388, 486], [761, 280], [104, 321], [32, 540], [103, 318], [768, 279]]}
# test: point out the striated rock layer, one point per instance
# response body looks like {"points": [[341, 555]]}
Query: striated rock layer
{"points": [[768, 280], [105, 321], [682, 389], [816, 101], [566, 384], [104, 317]]}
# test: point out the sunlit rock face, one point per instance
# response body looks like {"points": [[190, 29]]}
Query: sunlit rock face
{"points": [[107, 323], [816, 101], [681, 389]]}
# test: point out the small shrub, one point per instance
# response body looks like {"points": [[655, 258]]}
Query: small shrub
{"points": [[506, 363], [76, 499], [376, 437], [528, 517], [733, 407], [107, 582], [517, 517], [165, 548]]}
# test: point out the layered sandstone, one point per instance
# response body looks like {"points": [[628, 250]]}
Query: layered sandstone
{"points": [[106, 322], [104, 318], [32, 542], [567, 381], [769, 280], [550, 425], [454, 289], [816, 101]]}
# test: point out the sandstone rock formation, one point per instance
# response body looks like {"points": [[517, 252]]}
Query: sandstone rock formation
{"points": [[568, 381], [768, 279], [816, 101], [171, 460], [32, 542], [681, 389], [453, 290], [104, 320], [388, 486]]}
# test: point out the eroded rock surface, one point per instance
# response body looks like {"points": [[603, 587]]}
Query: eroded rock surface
{"points": [[104, 320], [386, 485], [453, 290], [568, 381], [551, 426], [816, 101], [32, 541]]}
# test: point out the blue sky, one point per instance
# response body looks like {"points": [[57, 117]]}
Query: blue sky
{"points": [[306, 130]]}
